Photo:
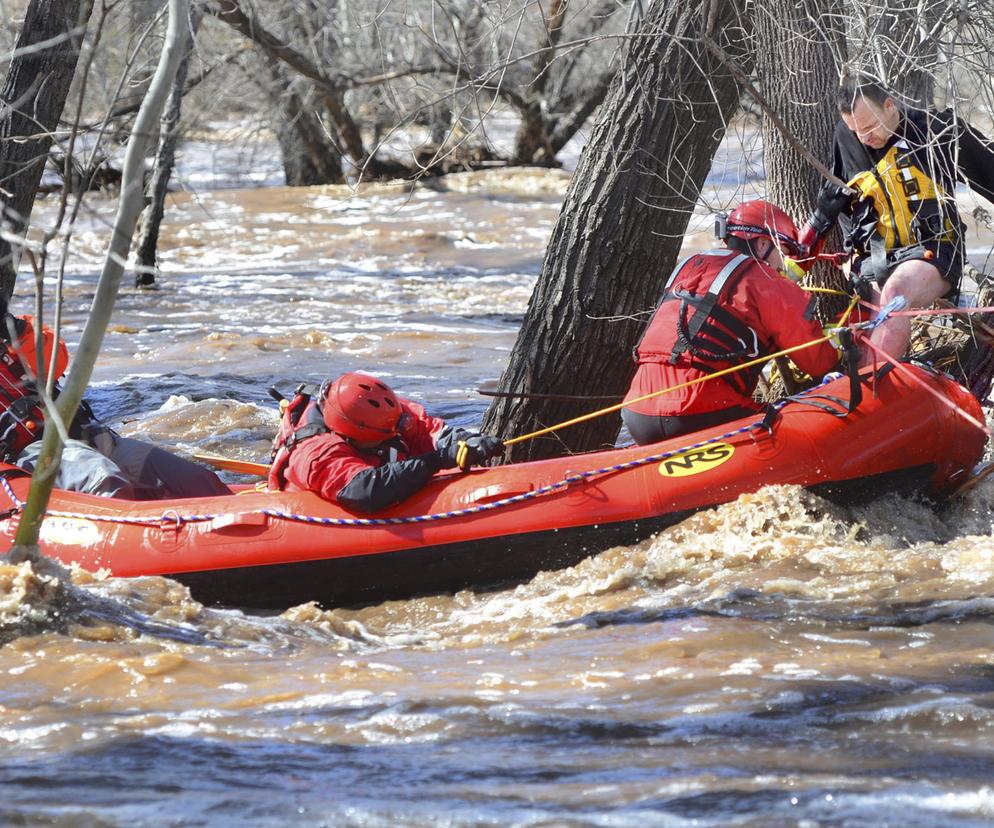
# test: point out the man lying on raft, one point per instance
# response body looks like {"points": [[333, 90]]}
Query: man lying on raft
{"points": [[355, 442]]}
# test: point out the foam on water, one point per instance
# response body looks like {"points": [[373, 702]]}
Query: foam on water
{"points": [[779, 656]]}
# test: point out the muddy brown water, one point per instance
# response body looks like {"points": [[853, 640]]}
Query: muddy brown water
{"points": [[776, 661]]}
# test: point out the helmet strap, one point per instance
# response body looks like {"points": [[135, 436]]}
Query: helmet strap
{"points": [[721, 226]]}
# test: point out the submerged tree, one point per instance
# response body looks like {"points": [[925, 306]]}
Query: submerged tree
{"points": [[146, 245]]}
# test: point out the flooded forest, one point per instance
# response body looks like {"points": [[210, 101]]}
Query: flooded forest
{"points": [[479, 203]]}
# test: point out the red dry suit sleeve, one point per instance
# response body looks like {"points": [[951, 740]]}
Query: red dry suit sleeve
{"points": [[418, 429], [324, 464], [786, 317]]}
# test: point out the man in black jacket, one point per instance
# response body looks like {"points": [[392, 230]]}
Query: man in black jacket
{"points": [[902, 224]]}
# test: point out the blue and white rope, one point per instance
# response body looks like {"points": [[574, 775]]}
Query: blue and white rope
{"points": [[172, 519]]}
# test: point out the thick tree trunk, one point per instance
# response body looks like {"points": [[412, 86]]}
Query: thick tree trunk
{"points": [[309, 156], [33, 96], [798, 76], [147, 243], [621, 227]]}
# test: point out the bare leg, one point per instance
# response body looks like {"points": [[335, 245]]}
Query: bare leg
{"points": [[921, 284]]}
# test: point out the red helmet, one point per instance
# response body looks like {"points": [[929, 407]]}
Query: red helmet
{"points": [[758, 219], [360, 407]]}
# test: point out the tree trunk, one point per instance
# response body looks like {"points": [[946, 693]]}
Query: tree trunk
{"points": [[148, 231], [33, 96], [309, 156], [531, 144], [798, 73], [798, 76], [621, 227]]}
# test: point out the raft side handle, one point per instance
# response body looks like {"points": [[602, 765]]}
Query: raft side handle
{"points": [[228, 521], [499, 491]]}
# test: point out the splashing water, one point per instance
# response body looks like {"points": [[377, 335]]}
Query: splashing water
{"points": [[778, 660]]}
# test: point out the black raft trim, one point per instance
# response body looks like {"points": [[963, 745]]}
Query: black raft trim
{"points": [[484, 564]]}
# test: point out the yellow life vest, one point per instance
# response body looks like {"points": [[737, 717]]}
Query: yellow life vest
{"points": [[901, 193]]}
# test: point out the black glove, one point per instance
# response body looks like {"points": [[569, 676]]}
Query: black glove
{"points": [[447, 455], [478, 449], [832, 200]]}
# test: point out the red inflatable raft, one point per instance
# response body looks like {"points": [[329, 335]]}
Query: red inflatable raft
{"points": [[495, 525]]}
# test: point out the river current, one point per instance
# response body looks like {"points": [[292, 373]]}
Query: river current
{"points": [[776, 661]]}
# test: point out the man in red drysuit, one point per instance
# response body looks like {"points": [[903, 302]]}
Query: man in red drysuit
{"points": [[357, 443], [719, 309]]}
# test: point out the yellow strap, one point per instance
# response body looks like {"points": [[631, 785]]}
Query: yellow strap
{"points": [[715, 375], [830, 291], [226, 463]]}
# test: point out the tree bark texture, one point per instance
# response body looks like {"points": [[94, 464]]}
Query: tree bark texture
{"points": [[797, 65], [621, 227], [146, 246], [798, 75], [309, 155], [34, 94]]}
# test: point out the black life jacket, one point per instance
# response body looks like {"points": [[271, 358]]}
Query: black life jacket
{"points": [[694, 329], [906, 197]]}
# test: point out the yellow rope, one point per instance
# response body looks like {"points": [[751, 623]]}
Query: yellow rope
{"points": [[715, 375], [830, 291]]}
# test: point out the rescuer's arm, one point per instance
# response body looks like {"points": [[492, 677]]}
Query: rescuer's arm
{"points": [[976, 160], [832, 201], [787, 314], [373, 489]]}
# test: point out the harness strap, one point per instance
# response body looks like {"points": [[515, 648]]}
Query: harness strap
{"points": [[703, 306], [851, 359], [302, 433], [738, 381], [840, 409]]}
